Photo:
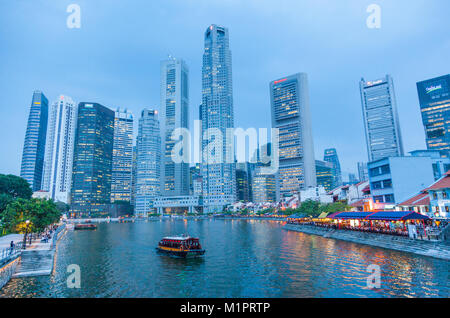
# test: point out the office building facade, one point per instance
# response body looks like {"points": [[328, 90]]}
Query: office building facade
{"points": [[148, 163], [219, 179], [122, 160], [92, 162], [174, 114], [325, 174], [330, 155], [34, 145], [434, 99], [363, 173], [289, 98], [59, 148], [381, 122]]}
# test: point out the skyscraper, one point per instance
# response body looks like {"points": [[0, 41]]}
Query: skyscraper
{"points": [[59, 148], [381, 122], [330, 155], [92, 161], [148, 162], [174, 114], [434, 99], [122, 160], [363, 173], [289, 98], [219, 184], [34, 145], [263, 186], [325, 173]]}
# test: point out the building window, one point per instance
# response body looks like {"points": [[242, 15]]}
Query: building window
{"points": [[435, 196], [444, 194]]}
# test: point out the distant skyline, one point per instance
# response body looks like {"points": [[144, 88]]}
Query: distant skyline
{"points": [[114, 60]]}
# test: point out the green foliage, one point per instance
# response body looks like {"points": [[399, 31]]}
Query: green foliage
{"points": [[41, 213], [15, 186]]}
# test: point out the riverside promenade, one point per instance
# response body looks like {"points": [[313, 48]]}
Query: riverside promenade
{"points": [[38, 258], [439, 250]]}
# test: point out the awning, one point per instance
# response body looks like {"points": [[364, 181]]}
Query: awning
{"points": [[397, 216], [323, 215], [352, 215], [382, 215]]}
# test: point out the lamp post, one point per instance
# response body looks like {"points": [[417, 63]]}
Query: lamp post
{"points": [[27, 222]]}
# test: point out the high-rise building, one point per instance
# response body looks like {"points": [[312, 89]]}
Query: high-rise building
{"points": [[122, 164], [242, 182], [134, 175], [263, 186], [381, 122], [363, 173], [174, 114], [34, 144], [330, 155], [59, 148], [92, 161], [148, 163], [289, 98], [352, 178], [219, 180], [434, 99], [325, 173]]}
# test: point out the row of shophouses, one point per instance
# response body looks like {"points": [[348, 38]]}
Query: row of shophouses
{"points": [[432, 199]]}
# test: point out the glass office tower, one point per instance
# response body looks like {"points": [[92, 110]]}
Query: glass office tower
{"points": [[381, 121], [59, 148], [122, 161], [434, 99], [148, 163], [330, 155], [174, 114], [219, 178], [34, 144], [92, 162], [289, 98]]}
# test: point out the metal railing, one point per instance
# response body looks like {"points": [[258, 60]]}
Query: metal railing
{"points": [[9, 253]]}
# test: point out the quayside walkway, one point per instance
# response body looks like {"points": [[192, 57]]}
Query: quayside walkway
{"points": [[420, 247], [38, 258]]}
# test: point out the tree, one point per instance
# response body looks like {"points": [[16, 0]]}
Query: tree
{"points": [[40, 212], [310, 208], [15, 186]]}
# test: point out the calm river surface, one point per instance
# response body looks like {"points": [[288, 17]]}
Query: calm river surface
{"points": [[244, 258]]}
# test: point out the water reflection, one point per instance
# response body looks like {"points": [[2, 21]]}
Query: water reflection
{"points": [[244, 258]]}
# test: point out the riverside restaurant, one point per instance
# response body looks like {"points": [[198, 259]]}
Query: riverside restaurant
{"points": [[400, 223]]}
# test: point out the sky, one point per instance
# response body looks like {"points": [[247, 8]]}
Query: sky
{"points": [[114, 59]]}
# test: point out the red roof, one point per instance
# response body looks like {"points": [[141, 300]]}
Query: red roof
{"points": [[419, 199], [442, 183], [366, 189]]}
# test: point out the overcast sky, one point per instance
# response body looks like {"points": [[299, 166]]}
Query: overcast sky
{"points": [[113, 59]]}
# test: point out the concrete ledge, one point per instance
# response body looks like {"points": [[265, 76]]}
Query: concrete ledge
{"points": [[7, 270], [432, 249]]}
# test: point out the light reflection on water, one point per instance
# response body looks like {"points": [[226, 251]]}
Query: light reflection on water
{"points": [[244, 258]]}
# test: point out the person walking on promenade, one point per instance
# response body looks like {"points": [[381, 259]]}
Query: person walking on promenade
{"points": [[11, 247]]}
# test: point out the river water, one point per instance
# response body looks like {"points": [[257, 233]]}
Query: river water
{"points": [[244, 258]]}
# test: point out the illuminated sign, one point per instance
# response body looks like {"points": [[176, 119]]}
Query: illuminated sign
{"points": [[88, 105], [280, 81], [433, 88]]}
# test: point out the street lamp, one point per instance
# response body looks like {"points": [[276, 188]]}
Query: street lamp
{"points": [[27, 222]]}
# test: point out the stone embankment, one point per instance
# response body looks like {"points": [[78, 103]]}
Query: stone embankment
{"points": [[421, 247]]}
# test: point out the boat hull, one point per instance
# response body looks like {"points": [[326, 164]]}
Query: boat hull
{"points": [[181, 254]]}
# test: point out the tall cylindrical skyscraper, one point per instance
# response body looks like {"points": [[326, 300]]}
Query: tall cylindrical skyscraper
{"points": [[34, 144]]}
